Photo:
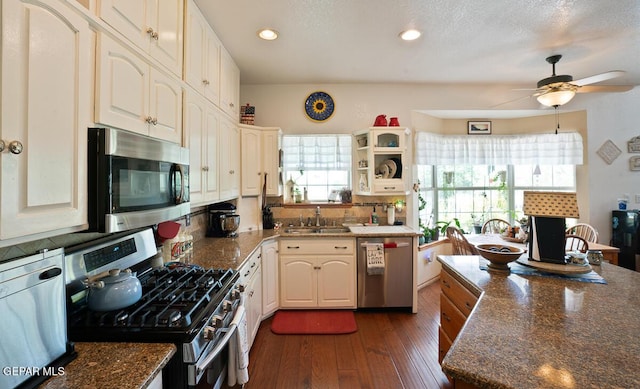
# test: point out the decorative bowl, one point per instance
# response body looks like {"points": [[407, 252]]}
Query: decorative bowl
{"points": [[499, 255]]}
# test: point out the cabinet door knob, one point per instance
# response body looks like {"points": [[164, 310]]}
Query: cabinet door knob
{"points": [[1, 145], [15, 147], [205, 168], [317, 267], [205, 82], [152, 33]]}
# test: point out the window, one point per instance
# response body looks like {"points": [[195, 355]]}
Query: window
{"points": [[321, 163], [476, 193]]}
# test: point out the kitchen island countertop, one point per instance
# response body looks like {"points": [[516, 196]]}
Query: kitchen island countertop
{"points": [[547, 332]]}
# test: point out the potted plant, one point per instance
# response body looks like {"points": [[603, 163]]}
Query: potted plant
{"points": [[442, 225]]}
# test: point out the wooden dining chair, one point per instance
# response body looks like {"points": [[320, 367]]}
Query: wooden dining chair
{"points": [[495, 226], [586, 231], [576, 243], [459, 244]]}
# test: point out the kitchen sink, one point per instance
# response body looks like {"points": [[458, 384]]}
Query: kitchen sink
{"points": [[317, 230]]}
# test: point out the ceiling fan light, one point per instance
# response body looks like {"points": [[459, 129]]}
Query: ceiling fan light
{"points": [[410, 35], [556, 98], [268, 34]]}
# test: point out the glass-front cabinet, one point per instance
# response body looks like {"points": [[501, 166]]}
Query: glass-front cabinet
{"points": [[381, 162]]}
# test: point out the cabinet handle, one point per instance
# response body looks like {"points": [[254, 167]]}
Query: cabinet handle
{"points": [[231, 105], [247, 273], [445, 283], [205, 82], [447, 318], [152, 33], [389, 187], [15, 147], [317, 267], [468, 305], [340, 247], [293, 247], [151, 120], [253, 265], [1, 145], [205, 168]]}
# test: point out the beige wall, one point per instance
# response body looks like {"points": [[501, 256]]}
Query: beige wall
{"points": [[608, 116]]}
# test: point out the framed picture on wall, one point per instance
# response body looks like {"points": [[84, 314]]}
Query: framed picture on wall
{"points": [[479, 127]]}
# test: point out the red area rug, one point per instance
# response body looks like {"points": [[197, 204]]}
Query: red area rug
{"points": [[314, 322]]}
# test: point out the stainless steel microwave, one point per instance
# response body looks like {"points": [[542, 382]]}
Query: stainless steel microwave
{"points": [[134, 180]]}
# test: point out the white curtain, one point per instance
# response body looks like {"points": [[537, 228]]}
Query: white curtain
{"points": [[530, 149], [317, 152]]}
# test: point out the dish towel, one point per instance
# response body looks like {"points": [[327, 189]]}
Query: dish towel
{"points": [[238, 370], [375, 258]]}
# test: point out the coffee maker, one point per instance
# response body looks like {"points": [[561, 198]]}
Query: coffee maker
{"points": [[223, 220]]}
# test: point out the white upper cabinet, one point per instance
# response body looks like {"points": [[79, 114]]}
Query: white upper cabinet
{"points": [[132, 95], [45, 112], [229, 159], [202, 55], [381, 161], [202, 122], [251, 149], [260, 148], [229, 85], [154, 26]]}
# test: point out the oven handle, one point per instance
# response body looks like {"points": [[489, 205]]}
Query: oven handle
{"points": [[202, 366]]}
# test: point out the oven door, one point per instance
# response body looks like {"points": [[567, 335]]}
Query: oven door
{"points": [[215, 360]]}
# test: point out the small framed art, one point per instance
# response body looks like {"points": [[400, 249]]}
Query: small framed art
{"points": [[478, 127]]}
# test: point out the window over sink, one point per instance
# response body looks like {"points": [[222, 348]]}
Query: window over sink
{"points": [[320, 163]]}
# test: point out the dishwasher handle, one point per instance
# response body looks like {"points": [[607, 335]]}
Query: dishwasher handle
{"points": [[389, 245]]}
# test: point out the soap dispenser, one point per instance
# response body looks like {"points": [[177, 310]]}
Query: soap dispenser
{"points": [[374, 216]]}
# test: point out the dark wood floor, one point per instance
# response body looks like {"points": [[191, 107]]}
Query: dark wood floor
{"points": [[389, 350]]}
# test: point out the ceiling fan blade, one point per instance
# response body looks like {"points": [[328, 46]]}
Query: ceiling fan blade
{"points": [[604, 88], [599, 78], [512, 101]]}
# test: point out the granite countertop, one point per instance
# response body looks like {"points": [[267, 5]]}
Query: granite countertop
{"points": [[113, 365], [544, 332], [229, 253], [232, 252]]}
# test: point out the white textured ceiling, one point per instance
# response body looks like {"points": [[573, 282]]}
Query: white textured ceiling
{"points": [[463, 41]]}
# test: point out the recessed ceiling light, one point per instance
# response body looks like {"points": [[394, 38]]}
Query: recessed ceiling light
{"points": [[410, 35], [268, 34]]}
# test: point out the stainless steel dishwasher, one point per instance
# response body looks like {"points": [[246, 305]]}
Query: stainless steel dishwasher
{"points": [[392, 286]]}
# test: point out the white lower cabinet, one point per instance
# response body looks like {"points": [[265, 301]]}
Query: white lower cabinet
{"points": [[317, 273], [270, 298], [251, 278]]}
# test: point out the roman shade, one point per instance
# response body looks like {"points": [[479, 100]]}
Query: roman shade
{"points": [[528, 149]]}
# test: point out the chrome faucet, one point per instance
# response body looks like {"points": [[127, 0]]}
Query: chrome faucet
{"points": [[318, 216]]}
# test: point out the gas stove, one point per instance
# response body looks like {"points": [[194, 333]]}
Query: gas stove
{"points": [[187, 305]]}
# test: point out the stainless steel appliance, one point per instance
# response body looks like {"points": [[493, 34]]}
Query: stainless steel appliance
{"points": [[625, 235], [223, 221], [389, 286], [187, 305], [135, 181], [33, 332]]}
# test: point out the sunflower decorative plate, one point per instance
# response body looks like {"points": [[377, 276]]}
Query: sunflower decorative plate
{"points": [[319, 106]]}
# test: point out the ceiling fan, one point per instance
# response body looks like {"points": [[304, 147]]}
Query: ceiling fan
{"points": [[558, 90]]}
